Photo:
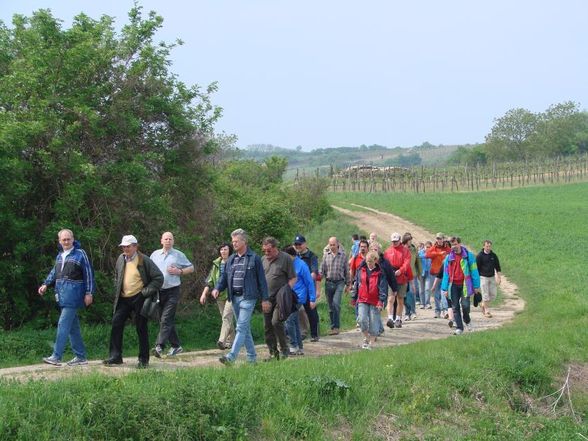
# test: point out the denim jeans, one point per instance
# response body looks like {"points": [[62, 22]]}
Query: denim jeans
{"points": [[410, 299], [168, 304], [440, 300], [69, 326], [426, 282], [293, 328], [460, 303], [243, 310], [334, 292], [369, 319]]}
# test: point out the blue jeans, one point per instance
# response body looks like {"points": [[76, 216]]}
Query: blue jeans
{"points": [[293, 328], [410, 299], [334, 292], [243, 310], [425, 284], [459, 303], [440, 301], [69, 326], [369, 319]]}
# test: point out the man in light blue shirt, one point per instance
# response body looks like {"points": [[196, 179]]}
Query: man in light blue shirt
{"points": [[173, 264]]}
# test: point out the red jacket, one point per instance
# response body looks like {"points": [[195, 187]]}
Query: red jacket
{"points": [[399, 258], [372, 290]]}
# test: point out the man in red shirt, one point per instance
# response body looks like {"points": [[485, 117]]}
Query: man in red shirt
{"points": [[399, 258], [356, 261]]}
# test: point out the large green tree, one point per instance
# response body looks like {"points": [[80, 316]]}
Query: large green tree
{"points": [[96, 134]]}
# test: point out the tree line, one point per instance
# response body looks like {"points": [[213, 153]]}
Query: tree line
{"points": [[99, 136]]}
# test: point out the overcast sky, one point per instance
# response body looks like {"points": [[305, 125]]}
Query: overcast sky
{"points": [[328, 73]]}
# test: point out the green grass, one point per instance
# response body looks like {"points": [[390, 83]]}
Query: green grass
{"points": [[474, 387]]}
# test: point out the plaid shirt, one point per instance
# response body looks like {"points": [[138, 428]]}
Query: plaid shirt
{"points": [[334, 266]]}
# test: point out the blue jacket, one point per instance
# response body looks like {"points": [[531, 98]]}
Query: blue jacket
{"points": [[304, 286], [75, 280], [255, 285]]}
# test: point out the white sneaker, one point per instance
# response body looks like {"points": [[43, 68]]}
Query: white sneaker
{"points": [[293, 350], [407, 318], [457, 332], [366, 346]]}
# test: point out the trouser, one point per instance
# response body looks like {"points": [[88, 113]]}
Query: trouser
{"points": [[126, 307], [460, 303], [274, 329], [168, 305], [334, 292], [69, 327], [227, 332], [313, 319], [293, 327]]}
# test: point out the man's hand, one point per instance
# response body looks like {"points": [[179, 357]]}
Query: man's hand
{"points": [[215, 293], [88, 299], [42, 289], [266, 306], [498, 279], [444, 293], [312, 305]]}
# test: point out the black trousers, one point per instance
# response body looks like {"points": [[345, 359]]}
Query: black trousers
{"points": [[168, 304], [127, 307], [313, 319]]}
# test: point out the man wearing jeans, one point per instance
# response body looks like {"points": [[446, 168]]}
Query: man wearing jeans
{"points": [[244, 280], [73, 278], [335, 271], [173, 264], [460, 281]]}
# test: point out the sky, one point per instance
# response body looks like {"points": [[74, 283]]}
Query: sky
{"points": [[331, 73]]}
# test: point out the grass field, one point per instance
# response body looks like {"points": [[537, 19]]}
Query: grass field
{"points": [[480, 386]]}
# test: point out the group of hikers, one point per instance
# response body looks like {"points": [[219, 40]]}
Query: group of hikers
{"points": [[287, 281]]}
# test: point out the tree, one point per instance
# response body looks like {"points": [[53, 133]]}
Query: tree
{"points": [[509, 137], [95, 134]]}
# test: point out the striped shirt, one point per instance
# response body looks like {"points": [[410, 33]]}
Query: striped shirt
{"points": [[239, 273]]}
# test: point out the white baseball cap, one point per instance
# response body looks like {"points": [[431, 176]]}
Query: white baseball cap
{"points": [[128, 240]]}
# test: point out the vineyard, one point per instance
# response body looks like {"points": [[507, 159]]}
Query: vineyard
{"points": [[453, 179]]}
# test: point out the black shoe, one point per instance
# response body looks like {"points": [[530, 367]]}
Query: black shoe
{"points": [[390, 323], [112, 361], [225, 360], [142, 364], [399, 323], [221, 345], [157, 351], [315, 339]]}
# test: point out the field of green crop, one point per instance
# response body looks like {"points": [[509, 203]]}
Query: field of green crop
{"points": [[480, 386]]}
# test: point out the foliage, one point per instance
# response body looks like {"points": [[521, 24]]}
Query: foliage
{"points": [[522, 135], [404, 160], [473, 155]]}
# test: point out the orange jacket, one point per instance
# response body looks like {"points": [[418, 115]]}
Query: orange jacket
{"points": [[437, 254]]}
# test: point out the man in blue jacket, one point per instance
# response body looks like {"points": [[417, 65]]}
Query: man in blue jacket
{"points": [[73, 279], [244, 280]]}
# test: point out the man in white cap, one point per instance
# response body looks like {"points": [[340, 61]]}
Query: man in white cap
{"points": [[136, 278], [398, 256]]}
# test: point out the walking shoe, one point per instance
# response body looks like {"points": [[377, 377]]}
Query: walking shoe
{"points": [[407, 318], [157, 351], [303, 337], [366, 346], [398, 323], [422, 307], [175, 351], [300, 352], [142, 364], [437, 315], [390, 323], [315, 339], [52, 360], [221, 345], [429, 307], [446, 315], [227, 361], [293, 350], [487, 314], [112, 361], [450, 323], [458, 332], [469, 327], [77, 361], [334, 331]]}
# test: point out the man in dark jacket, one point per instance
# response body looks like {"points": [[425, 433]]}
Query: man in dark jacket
{"points": [[489, 269], [244, 280], [136, 278], [73, 278]]}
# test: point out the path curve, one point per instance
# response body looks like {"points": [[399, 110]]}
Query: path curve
{"points": [[425, 327]]}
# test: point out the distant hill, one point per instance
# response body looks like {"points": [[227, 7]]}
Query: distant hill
{"points": [[322, 159]]}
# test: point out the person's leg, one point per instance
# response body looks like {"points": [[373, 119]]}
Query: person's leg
{"points": [[337, 297], [330, 288], [303, 321], [243, 310], [75, 338], [400, 299], [142, 329], [168, 301], [64, 328], [279, 331], [313, 319], [465, 307], [456, 294], [226, 313], [119, 318], [268, 328], [374, 325]]}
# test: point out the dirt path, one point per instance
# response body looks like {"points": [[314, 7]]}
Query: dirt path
{"points": [[425, 327]]}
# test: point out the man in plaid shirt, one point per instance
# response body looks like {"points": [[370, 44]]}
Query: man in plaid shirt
{"points": [[335, 271]]}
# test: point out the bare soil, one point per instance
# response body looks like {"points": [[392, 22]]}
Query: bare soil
{"points": [[424, 327]]}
